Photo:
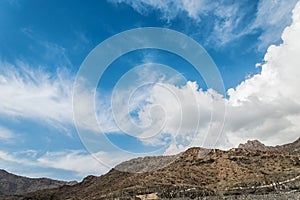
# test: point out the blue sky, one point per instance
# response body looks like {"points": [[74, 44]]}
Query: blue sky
{"points": [[43, 45]]}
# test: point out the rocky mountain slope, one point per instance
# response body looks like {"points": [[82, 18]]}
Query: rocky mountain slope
{"points": [[13, 184], [293, 148], [251, 169]]}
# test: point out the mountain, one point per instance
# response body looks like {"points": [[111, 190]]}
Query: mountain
{"points": [[194, 173], [145, 164], [12, 184], [293, 148]]}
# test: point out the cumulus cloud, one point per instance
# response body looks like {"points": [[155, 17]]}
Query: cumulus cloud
{"points": [[265, 106], [268, 104], [184, 115]]}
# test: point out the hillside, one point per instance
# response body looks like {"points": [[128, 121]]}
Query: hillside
{"points": [[13, 184], [234, 172]]}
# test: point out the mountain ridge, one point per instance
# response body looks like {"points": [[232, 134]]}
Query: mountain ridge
{"points": [[197, 172], [11, 184], [293, 147]]}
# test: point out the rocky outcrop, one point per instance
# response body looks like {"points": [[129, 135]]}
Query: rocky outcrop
{"points": [[293, 148]]}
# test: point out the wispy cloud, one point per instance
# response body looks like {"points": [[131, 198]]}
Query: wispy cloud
{"points": [[32, 93], [78, 162], [49, 51], [265, 106], [271, 18], [229, 21], [170, 9], [35, 94]]}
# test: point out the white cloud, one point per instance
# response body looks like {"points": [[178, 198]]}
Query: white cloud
{"points": [[9, 158], [269, 102], [133, 94], [78, 162], [230, 20], [6, 134], [49, 51], [186, 114], [272, 17], [170, 9], [265, 106], [35, 94]]}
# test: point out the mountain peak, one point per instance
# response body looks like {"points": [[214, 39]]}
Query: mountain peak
{"points": [[293, 148], [253, 145]]}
